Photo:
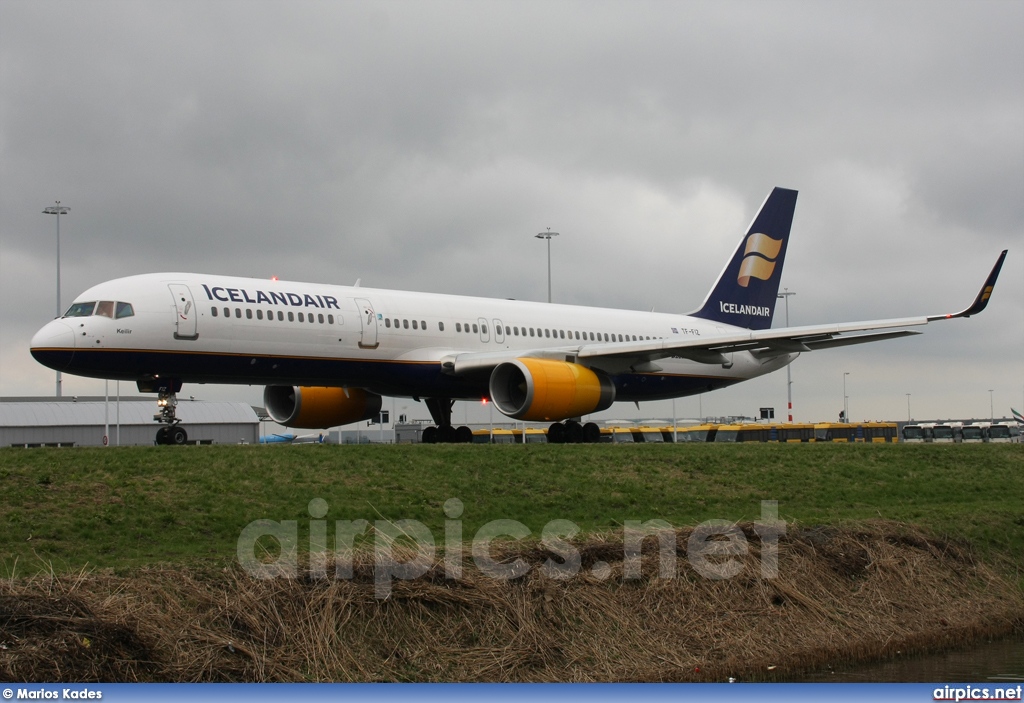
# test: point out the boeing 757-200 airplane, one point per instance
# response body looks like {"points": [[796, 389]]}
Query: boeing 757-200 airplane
{"points": [[327, 354]]}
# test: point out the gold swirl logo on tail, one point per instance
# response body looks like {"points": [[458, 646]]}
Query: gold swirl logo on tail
{"points": [[758, 258]]}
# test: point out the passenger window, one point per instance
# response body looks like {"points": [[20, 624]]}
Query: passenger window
{"points": [[423, 324], [458, 326], [227, 312], [476, 328], [270, 314], [561, 334], [440, 326], [312, 320], [547, 332], [531, 331], [280, 316], [291, 316], [483, 329], [124, 310], [248, 313], [105, 308], [415, 325], [259, 314], [387, 322], [577, 335], [238, 313], [320, 317], [213, 311], [330, 319], [508, 330], [405, 324]]}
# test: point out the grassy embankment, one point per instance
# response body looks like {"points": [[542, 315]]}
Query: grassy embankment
{"points": [[64, 509], [852, 590]]}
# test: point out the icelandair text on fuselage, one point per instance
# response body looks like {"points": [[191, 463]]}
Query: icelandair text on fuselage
{"points": [[240, 295], [734, 309], [48, 694]]}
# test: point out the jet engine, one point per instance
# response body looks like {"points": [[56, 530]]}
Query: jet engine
{"points": [[317, 407], [549, 390]]}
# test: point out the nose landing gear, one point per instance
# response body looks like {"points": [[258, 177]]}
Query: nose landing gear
{"points": [[167, 401]]}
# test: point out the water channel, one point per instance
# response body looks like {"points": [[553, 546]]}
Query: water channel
{"points": [[998, 661]]}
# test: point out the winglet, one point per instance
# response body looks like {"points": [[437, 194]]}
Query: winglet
{"points": [[981, 301]]}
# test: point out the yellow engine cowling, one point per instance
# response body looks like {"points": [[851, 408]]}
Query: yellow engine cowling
{"points": [[549, 390], [318, 408]]}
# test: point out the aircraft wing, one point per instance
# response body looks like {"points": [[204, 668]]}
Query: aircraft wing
{"points": [[619, 357]]}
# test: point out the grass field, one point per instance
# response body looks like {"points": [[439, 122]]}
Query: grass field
{"points": [[64, 509]]}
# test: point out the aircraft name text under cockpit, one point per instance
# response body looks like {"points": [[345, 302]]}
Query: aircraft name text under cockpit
{"points": [[240, 295]]}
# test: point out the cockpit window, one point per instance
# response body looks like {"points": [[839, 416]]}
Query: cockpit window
{"points": [[105, 308], [80, 310]]}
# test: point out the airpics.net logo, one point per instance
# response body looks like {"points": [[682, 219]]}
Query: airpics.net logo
{"points": [[758, 258], [407, 549]]}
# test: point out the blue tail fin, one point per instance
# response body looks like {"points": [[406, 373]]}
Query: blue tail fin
{"points": [[747, 289]]}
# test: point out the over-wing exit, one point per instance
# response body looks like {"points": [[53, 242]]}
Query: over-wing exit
{"points": [[328, 354]]}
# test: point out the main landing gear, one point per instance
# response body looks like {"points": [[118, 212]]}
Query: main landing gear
{"points": [[167, 401], [572, 432], [441, 413]]}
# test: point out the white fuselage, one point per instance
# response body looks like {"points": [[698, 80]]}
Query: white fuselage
{"points": [[218, 329]]}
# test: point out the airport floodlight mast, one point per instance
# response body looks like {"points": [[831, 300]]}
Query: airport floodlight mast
{"points": [[548, 235], [789, 375], [846, 399], [58, 210]]}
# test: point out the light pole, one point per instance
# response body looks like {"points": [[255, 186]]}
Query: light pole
{"points": [[846, 399], [908, 408], [789, 376], [548, 235], [57, 210], [991, 407]]}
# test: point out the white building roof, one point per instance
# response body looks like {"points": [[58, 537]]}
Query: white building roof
{"points": [[69, 414]]}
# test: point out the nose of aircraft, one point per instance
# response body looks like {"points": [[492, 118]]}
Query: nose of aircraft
{"points": [[54, 345]]}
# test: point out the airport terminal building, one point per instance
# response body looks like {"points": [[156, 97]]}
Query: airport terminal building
{"points": [[92, 421]]}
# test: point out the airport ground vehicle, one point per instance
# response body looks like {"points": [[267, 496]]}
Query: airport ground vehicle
{"points": [[855, 432], [650, 434], [617, 435], [697, 433], [974, 433]]}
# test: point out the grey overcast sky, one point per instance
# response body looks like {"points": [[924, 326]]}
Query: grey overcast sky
{"points": [[421, 145]]}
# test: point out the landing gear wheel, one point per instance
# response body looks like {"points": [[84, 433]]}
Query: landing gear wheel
{"points": [[573, 432], [591, 433], [429, 435], [463, 435], [177, 435], [163, 435], [556, 433], [446, 434]]}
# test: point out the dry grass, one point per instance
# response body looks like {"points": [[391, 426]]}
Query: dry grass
{"points": [[842, 594]]}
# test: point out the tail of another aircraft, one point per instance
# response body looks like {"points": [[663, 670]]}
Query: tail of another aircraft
{"points": [[746, 291]]}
